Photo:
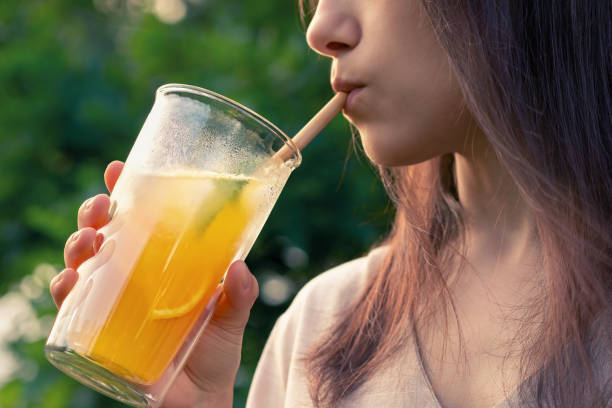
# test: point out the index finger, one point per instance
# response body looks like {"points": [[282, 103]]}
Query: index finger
{"points": [[113, 170]]}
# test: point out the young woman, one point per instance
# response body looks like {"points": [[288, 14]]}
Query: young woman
{"points": [[491, 123]]}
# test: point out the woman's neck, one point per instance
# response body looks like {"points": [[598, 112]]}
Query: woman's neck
{"points": [[496, 216], [501, 246], [493, 284]]}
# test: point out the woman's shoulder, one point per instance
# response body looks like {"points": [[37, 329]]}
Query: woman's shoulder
{"points": [[280, 378], [337, 289], [324, 300]]}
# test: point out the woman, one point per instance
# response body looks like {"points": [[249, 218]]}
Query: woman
{"points": [[491, 123]]}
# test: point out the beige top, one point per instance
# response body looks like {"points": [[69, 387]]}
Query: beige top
{"points": [[280, 379]]}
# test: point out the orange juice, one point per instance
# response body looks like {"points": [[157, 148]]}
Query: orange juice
{"points": [[196, 189], [175, 250]]}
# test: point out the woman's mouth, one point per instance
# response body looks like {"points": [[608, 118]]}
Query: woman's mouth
{"points": [[351, 100], [353, 89]]}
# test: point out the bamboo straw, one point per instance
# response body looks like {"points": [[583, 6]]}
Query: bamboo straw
{"points": [[314, 126]]}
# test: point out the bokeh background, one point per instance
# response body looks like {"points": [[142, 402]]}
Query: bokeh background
{"points": [[77, 79]]}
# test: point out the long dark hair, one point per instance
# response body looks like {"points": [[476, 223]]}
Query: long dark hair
{"points": [[537, 77]]}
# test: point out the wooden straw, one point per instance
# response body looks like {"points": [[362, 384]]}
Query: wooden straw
{"points": [[314, 126]]}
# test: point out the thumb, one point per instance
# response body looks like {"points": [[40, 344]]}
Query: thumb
{"points": [[240, 290]]}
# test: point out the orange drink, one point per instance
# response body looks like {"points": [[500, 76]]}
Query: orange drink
{"points": [[192, 240], [196, 189], [161, 264]]}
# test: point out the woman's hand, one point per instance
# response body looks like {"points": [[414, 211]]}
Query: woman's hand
{"points": [[208, 377]]}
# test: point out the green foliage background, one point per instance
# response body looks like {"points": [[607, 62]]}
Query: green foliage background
{"points": [[77, 79]]}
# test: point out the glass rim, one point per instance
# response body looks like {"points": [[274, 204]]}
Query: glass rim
{"points": [[296, 157]]}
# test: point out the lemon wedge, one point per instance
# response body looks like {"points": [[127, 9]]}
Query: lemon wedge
{"points": [[170, 313]]}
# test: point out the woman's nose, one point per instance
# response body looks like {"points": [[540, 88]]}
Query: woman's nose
{"points": [[332, 30]]}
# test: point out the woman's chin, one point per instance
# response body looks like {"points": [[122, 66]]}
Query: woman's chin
{"points": [[394, 157]]}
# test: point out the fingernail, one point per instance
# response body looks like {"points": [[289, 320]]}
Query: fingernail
{"points": [[58, 279], [89, 203], [75, 236], [98, 242], [247, 280]]}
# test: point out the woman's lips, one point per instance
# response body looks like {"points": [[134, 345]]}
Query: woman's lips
{"points": [[350, 100], [352, 88]]}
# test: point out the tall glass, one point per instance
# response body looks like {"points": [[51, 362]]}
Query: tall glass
{"points": [[196, 189]]}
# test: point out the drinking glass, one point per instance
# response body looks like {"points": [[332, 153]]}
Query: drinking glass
{"points": [[196, 189]]}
